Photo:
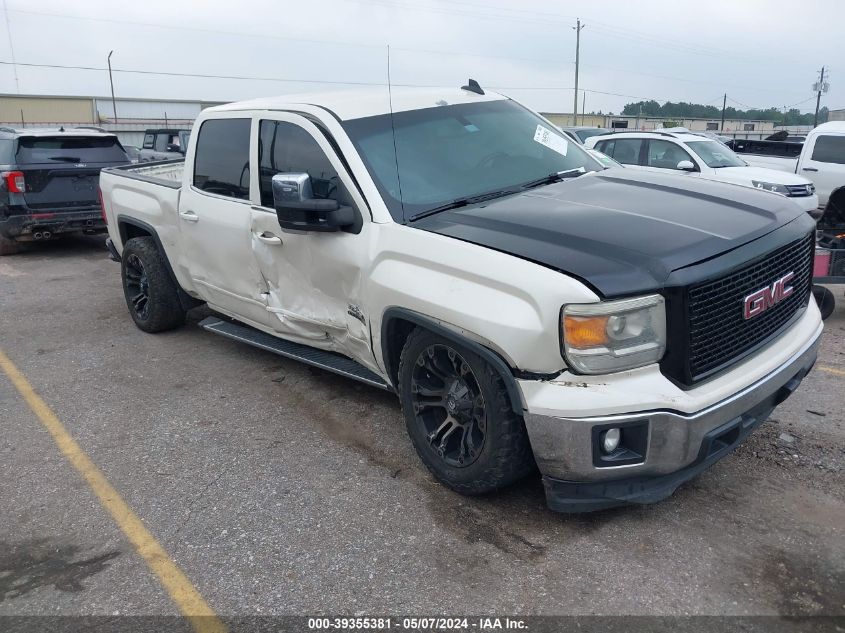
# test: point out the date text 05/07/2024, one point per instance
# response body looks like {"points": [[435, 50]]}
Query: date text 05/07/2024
{"points": [[416, 624]]}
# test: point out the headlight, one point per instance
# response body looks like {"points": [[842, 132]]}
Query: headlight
{"points": [[599, 338], [771, 186]]}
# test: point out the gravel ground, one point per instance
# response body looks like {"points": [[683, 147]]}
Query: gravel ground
{"points": [[281, 489]]}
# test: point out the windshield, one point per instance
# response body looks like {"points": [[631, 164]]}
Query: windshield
{"points": [[70, 149], [448, 152], [715, 154], [585, 134]]}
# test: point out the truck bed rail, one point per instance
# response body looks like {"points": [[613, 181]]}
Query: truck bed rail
{"points": [[167, 173]]}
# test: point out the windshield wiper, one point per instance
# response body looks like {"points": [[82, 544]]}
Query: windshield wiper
{"points": [[555, 176], [461, 202], [66, 159]]}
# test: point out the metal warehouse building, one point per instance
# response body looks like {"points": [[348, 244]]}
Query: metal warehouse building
{"points": [[133, 115]]}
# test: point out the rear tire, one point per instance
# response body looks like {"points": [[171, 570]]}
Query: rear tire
{"points": [[459, 416], [9, 246], [825, 300], [151, 294]]}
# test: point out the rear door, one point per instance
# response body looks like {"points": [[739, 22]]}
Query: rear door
{"points": [[62, 172], [214, 219], [823, 162], [624, 150]]}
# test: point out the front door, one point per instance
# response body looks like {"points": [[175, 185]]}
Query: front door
{"points": [[314, 280], [215, 220]]}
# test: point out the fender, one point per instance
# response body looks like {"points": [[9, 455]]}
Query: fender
{"points": [[495, 361], [123, 221]]}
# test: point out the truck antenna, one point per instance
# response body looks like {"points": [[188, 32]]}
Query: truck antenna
{"points": [[393, 129]]}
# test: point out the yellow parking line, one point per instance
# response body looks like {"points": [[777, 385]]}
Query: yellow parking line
{"points": [[832, 370], [181, 591]]}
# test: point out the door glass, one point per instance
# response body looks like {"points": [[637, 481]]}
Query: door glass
{"points": [[287, 148], [627, 150], [221, 165], [665, 154], [829, 149]]}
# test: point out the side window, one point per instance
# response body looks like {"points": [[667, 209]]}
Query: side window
{"points": [[829, 149], [286, 147], [149, 141], [161, 142], [605, 147], [627, 150], [665, 154], [221, 165]]}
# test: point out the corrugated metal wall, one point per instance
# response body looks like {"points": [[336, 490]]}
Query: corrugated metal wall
{"points": [[145, 110]]}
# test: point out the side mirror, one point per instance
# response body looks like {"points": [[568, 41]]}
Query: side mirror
{"points": [[686, 165], [298, 209]]}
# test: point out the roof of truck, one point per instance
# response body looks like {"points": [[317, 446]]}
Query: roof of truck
{"points": [[830, 126], [356, 104]]}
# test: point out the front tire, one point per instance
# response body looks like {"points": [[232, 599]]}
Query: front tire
{"points": [[151, 294], [459, 416]]}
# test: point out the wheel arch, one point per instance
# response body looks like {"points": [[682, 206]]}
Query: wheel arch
{"points": [[398, 323], [129, 228]]}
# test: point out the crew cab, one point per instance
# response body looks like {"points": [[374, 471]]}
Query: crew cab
{"points": [[697, 156], [619, 331], [821, 159], [49, 182]]}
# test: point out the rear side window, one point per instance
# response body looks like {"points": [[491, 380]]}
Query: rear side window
{"points": [[286, 148], [70, 149], [625, 150], [6, 151], [221, 165], [149, 141], [830, 149]]}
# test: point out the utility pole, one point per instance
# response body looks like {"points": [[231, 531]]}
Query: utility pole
{"points": [[583, 105], [111, 83], [724, 103], [821, 86], [577, 28]]}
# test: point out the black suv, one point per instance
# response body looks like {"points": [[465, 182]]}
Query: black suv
{"points": [[50, 182]]}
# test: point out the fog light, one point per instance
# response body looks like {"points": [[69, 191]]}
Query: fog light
{"points": [[610, 440]]}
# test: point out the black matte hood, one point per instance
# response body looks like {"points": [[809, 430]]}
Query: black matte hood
{"points": [[621, 231]]}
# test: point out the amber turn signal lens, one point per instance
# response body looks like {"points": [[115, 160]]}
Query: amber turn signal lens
{"points": [[585, 331]]}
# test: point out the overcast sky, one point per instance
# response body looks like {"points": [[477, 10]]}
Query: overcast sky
{"points": [[761, 52]]}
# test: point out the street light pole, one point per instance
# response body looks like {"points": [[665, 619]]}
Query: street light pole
{"points": [[577, 28], [111, 83]]}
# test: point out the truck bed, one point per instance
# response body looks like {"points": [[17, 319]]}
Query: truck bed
{"points": [[167, 173]]}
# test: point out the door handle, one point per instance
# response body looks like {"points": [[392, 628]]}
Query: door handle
{"points": [[810, 169], [269, 238], [189, 216]]}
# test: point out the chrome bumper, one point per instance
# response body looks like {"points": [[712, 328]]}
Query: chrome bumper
{"points": [[564, 447]]}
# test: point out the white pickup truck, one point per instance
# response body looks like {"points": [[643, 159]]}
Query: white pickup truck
{"points": [[822, 160], [620, 331]]}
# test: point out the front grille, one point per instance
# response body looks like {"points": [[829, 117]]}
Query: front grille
{"points": [[718, 332], [798, 191]]}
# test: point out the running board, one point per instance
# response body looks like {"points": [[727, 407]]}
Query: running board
{"points": [[309, 355]]}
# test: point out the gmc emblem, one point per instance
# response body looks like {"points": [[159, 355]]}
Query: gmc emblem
{"points": [[758, 302]]}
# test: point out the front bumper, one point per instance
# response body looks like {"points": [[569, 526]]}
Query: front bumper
{"points": [[24, 226], [677, 445]]}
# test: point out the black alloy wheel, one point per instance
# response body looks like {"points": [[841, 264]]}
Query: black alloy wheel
{"points": [[449, 405], [138, 287]]}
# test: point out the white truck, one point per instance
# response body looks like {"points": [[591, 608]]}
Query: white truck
{"points": [[822, 160], [620, 331]]}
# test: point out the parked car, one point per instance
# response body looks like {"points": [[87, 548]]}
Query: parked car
{"points": [[134, 153], [701, 158], [164, 144], [49, 182], [580, 134], [622, 330], [604, 159], [821, 158]]}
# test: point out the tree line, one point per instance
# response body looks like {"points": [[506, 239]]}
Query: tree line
{"points": [[684, 110]]}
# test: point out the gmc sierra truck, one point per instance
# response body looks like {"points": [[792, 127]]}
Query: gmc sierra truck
{"points": [[620, 331]]}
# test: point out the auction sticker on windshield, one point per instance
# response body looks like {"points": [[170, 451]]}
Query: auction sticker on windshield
{"points": [[544, 136]]}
